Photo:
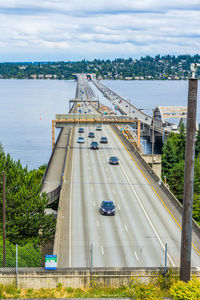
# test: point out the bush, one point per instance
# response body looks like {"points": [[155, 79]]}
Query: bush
{"points": [[186, 291]]}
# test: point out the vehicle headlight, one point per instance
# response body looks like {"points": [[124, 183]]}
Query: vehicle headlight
{"points": [[103, 209]]}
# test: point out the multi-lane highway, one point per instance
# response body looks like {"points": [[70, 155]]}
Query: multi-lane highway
{"points": [[136, 235], [145, 220]]}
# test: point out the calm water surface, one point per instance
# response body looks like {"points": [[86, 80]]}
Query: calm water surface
{"points": [[28, 106]]}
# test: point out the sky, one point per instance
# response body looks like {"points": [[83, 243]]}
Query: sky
{"points": [[54, 30]]}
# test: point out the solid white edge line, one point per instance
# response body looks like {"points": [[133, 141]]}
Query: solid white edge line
{"points": [[102, 250]]}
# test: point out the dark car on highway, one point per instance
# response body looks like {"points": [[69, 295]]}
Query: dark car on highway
{"points": [[81, 130], [94, 146], [107, 208], [114, 160], [103, 140], [91, 134]]}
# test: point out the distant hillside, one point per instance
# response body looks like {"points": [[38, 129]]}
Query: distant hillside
{"points": [[146, 68]]}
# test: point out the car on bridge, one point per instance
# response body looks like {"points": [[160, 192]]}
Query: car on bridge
{"points": [[107, 208], [81, 130], [114, 160], [103, 140], [98, 128], [81, 140], [94, 146], [91, 134]]}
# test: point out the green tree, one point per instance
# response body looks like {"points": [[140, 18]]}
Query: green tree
{"points": [[25, 208]]}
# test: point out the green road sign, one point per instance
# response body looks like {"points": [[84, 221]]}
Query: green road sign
{"points": [[50, 262]]}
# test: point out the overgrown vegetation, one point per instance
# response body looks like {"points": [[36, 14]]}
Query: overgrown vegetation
{"points": [[26, 222], [173, 163], [154, 290]]}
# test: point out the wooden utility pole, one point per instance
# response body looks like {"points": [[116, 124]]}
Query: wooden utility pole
{"points": [[4, 219], [186, 236]]}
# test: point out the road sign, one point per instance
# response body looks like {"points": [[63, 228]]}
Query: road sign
{"points": [[50, 262]]}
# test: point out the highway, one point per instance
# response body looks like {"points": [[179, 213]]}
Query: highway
{"points": [[145, 219], [136, 235]]}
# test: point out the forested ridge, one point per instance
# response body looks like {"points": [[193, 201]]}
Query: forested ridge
{"points": [[148, 68], [173, 164]]}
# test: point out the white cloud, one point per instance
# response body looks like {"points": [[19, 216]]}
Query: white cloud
{"points": [[114, 28]]}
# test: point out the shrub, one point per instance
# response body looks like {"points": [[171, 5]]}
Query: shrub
{"points": [[186, 291]]}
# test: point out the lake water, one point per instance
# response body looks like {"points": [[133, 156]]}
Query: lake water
{"points": [[28, 106]]}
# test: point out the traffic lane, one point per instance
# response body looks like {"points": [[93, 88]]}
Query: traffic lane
{"points": [[78, 244], [108, 261], [152, 206], [125, 196], [144, 235], [122, 226], [170, 229], [112, 255]]}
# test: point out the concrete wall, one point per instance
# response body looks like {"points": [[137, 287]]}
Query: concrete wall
{"points": [[37, 278], [156, 162]]}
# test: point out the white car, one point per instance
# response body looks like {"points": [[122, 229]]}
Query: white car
{"points": [[81, 140]]}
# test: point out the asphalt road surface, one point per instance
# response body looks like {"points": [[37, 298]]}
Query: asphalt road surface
{"points": [[137, 234]]}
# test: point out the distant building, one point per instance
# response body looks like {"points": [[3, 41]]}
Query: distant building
{"points": [[48, 76], [22, 67], [34, 76]]}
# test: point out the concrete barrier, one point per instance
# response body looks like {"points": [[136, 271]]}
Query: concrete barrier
{"points": [[37, 278]]}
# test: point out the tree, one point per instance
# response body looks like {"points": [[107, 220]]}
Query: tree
{"points": [[25, 207]]}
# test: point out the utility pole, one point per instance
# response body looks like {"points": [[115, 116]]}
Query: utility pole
{"points": [[186, 235], [4, 219]]}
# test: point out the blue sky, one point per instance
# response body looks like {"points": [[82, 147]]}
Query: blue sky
{"points": [[43, 30]]}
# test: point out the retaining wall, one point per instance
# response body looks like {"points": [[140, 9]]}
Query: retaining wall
{"points": [[79, 278]]}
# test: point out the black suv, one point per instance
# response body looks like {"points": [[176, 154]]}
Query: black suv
{"points": [[81, 130], [103, 140], [114, 160], [91, 134], [94, 146], [107, 208]]}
